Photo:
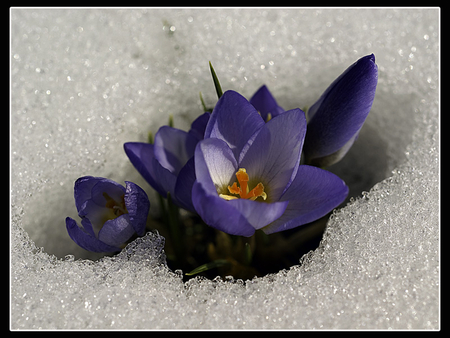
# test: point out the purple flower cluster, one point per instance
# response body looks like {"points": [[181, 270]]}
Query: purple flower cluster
{"points": [[248, 175], [246, 166]]}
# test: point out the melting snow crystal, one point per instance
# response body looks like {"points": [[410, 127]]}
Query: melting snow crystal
{"points": [[84, 81]]}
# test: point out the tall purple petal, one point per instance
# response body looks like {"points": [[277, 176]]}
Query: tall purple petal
{"points": [[274, 155], [233, 120], [215, 165]]}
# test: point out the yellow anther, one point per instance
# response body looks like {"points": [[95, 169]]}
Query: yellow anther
{"points": [[228, 197]]}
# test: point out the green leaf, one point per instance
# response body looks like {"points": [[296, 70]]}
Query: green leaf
{"points": [[205, 109], [305, 110], [208, 266], [216, 81], [203, 102], [150, 138]]}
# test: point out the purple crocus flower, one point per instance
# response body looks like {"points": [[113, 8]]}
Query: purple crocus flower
{"points": [[337, 117], [168, 164], [110, 213], [265, 103], [248, 175]]}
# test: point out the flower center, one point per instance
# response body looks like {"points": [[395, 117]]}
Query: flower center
{"points": [[243, 190], [118, 208]]}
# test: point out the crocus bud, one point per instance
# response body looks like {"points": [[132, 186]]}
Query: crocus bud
{"points": [[337, 117]]}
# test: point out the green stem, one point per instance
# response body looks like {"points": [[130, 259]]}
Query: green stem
{"points": [[173, 214], [162, 205], [248, 254]]}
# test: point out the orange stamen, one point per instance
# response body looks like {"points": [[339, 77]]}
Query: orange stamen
{"points": [[234, 189]]}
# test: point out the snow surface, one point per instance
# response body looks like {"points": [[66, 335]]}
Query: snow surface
{"points": [[84, 81]]}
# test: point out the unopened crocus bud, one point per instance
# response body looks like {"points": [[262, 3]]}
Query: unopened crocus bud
{"points": [[337, 117]]}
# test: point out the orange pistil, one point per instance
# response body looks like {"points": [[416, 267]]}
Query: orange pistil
{"points": [[243, 190]]}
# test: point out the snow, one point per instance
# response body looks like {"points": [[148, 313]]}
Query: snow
{"points": [[84, 81]]}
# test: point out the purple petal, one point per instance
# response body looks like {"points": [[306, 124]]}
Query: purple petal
{"points": [[274, 156], [340, 112], [173, 148], [85, 240], [116, 232], [233, 120], [166, 179], [94, 216], [138, 206], [215, 165], [89, 228], [82, 190], [259, 214], [198, 127], [183, 186], [326, 161], [313, 193], [113, 189], [265, 103], [219, 213], [141, 156], [93, 188], [87, 207]]}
